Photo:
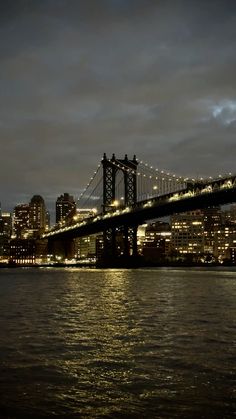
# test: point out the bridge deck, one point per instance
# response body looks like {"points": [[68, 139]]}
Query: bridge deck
{"points": [[220, 192]]}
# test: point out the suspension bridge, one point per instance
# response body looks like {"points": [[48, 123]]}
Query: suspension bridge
{"points": [[125, 193]]}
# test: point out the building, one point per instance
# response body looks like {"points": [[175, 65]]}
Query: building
{"points": [[30, 220], [23, 251], [21, 221], [229, 215], [187, 233], [65, 208], [233, 254], [141, 237], [157, 243], [212, 218], [225, 242], [5, 234], [37, 216], [81, 214], [86, 247]]}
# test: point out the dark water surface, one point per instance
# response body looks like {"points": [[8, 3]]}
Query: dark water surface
{"points": [[148, 343]]}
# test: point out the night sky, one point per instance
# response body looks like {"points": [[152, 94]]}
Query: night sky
{"points": [[79, 78]]}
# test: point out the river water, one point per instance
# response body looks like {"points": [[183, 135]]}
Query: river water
{"points": [[145, 343]]}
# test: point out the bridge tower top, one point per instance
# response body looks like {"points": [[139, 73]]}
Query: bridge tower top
{"points": [[110, 168]]}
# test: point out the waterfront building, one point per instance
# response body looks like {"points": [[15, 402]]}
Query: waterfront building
{"points": [[23, 251], [212, 218], [233, 254], [225, 240], [187, 233], [99, 246], [65, 208], [157, 242], [41, 251], [141, 237], [86, 247]]}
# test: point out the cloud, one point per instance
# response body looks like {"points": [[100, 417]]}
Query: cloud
{"points": [[78, 79], [225, 111]]}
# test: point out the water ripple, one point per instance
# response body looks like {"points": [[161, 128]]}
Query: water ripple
{"points": [[148, 343]]}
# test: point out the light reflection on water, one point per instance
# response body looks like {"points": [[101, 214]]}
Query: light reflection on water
{"points": [[148, 343]]}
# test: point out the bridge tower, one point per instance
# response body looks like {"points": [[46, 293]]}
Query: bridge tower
{"points": [[129, 171]]}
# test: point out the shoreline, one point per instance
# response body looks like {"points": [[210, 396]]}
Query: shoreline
{"points": [[121, 266]]}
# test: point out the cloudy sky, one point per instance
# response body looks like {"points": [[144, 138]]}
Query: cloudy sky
{"points": [[82, 77]]}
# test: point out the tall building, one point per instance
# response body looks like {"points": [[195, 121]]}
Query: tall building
{"points": [[21, 220], [5, 234], [6, 223], [212, 218], [30, 220], [187, 233], [65, 208], [37, 215]]}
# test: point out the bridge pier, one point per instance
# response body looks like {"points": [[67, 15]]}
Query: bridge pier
{"points": [[111, 253], [61, 249]]}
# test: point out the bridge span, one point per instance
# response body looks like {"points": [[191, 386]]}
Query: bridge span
{"points": [[196, 196], [168, 195]]}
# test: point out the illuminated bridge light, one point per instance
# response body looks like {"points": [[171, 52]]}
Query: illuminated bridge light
{"points": [[148, 204], [161, 184]]}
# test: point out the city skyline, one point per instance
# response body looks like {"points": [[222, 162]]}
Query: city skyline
{"points": [[78, 80]]}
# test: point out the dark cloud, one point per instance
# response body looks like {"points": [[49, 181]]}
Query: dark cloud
{"points": [[80, 78]]}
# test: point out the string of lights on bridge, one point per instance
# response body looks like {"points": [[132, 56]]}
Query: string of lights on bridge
{"points": [[144, 180], [150, 181], [225, 184]]}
